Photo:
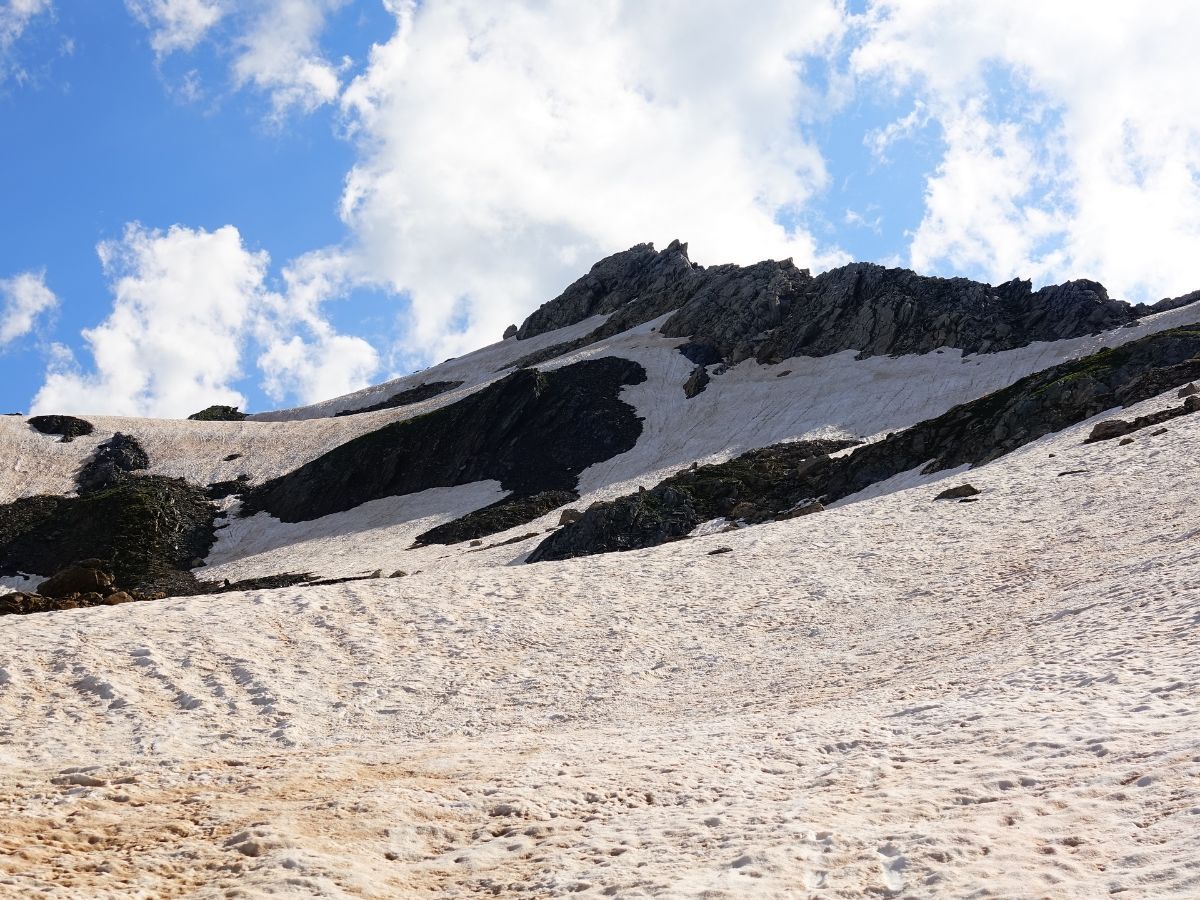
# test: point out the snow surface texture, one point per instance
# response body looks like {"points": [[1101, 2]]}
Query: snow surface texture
{"points": [[897, 696]]}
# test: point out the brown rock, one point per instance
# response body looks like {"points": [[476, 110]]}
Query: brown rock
{"points": [[118, 598], [1188, 389], [81, 578], [569, 517], [1106, 431]]}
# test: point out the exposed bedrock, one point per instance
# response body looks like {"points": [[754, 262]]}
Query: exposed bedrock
{"points": [[148, 530], [772, 310], [406, 398], [780, 481], [531, 431], [68, 427]]}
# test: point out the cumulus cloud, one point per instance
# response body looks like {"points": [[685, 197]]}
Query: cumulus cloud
{"points": [[503, 150], [188, 305], [303, 357], [24, 299], [176, 24], [276, 44], [15, 16], [1072, 136], [173, 342], [280, 54]]}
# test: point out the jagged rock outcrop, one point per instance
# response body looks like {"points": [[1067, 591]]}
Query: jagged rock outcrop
{"points": [[531, 431], [69, 427], [111, 463], [406, 398], [656, 280], [774, 482], [773, 310]]}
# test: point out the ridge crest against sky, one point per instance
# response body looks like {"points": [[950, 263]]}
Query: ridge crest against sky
{"points": [[272, 202]]}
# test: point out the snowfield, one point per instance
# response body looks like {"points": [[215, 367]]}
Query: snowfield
{"points": [[896, 697]]}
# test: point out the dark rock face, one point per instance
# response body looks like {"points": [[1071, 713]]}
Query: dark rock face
{"points": [[776, 483], [407, 398], [639, 273], [147, 530], [219, 490], [218, 414], [531, 431], [700, 353], [112, 462], [507, 513], [67, 426], [696, 382], [773, 311], [510, 332], [754, 486]]}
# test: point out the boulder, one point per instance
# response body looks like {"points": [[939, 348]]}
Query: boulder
{"points": [[1188, 390], [112, 461], [1109, 429], [82, 578], [118, 598], [510, 332], [569, 516]]}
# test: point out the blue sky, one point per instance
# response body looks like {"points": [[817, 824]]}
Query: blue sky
{"points": [[246, 203]]}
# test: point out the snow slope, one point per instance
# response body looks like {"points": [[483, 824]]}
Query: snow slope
{"points": [[896, 697]]}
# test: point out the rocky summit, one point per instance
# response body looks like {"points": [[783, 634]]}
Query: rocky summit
{"points": [[702, 581]]}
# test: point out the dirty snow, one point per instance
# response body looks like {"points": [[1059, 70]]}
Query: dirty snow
{"points": [[895, 697]]}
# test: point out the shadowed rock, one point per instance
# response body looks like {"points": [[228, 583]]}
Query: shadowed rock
{"points": [[68, 427]]}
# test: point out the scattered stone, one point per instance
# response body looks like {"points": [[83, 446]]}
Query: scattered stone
{"points": [[720, 550], [231, 457], [1188, 390], [1158, 432], [68, 427], [1124, 441], [476, 543], [218, 414], [399, 573], [1073, 472], [955, 493], [783, 374], [118, 598]]}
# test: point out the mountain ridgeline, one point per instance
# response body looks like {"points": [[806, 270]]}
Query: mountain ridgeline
{"points": [[536, 411]]}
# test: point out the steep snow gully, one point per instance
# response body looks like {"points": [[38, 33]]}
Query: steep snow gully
{"points": [[812, 679]]}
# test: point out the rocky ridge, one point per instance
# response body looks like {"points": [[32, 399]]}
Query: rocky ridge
{"points": [[773, 310]]}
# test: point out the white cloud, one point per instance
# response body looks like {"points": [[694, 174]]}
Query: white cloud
{"points": [[15, 16], [275, 44], [280, 54], [505, 149], [324, 364], [173, 341], [187, 306], [176, 24], [1072, 136], [25, 298]]}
